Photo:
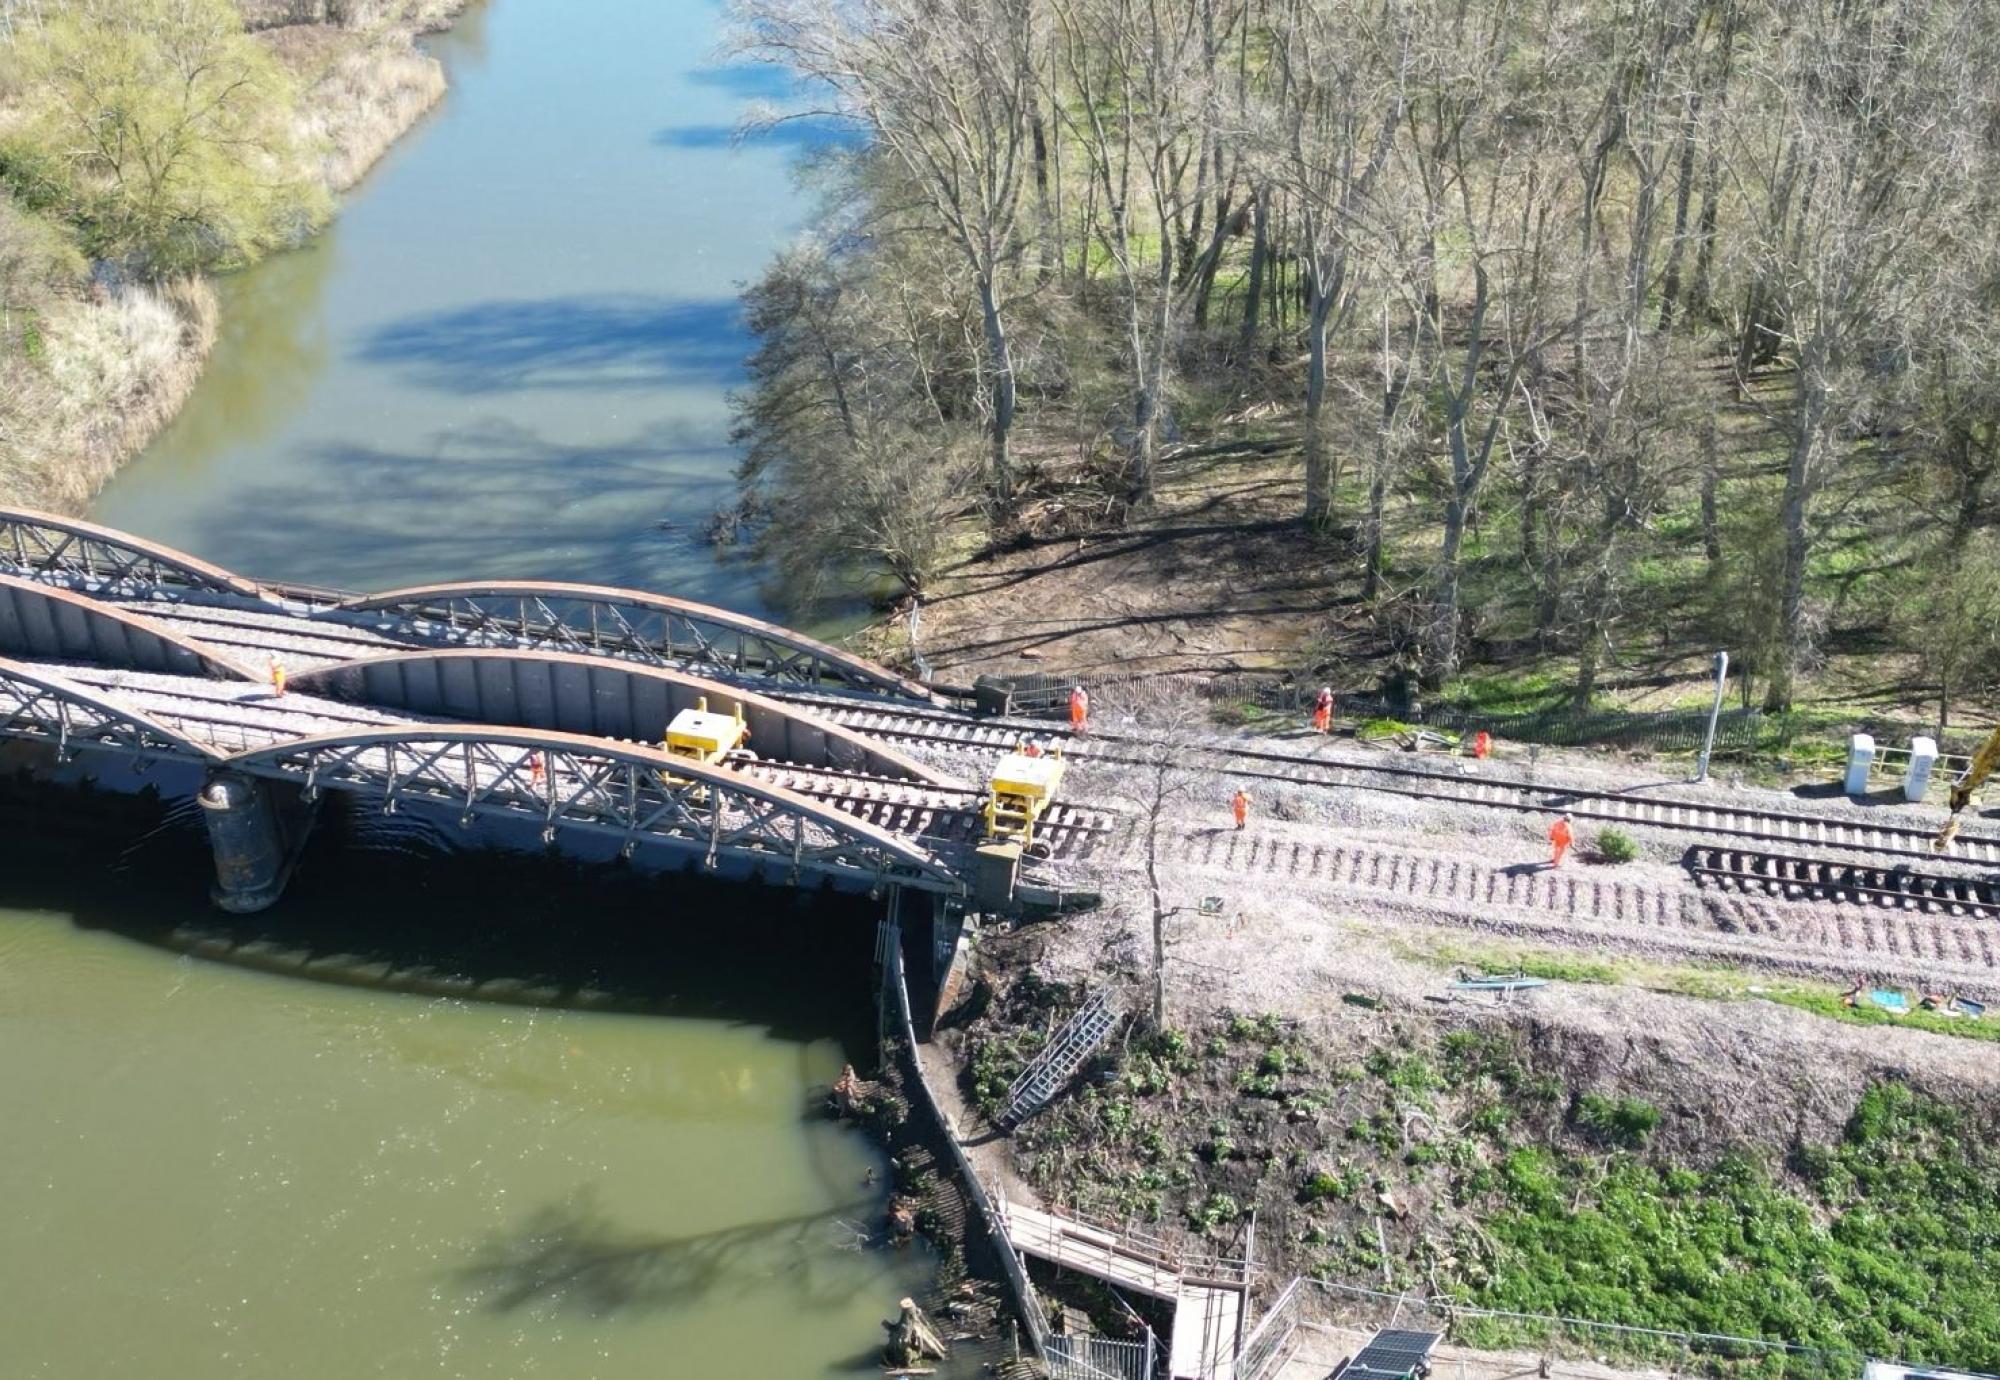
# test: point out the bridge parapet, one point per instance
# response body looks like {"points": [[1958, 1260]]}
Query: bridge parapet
{"points": [[652, 629]]}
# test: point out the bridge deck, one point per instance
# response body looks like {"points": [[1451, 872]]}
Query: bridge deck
{"points": [[233, 717]]}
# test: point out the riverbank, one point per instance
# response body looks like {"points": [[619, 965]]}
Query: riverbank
{"points": [[94, 366], [1625, 1156]]}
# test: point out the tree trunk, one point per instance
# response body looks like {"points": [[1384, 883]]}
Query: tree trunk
{"points": [[1051, 248], [912, 1339], [1001, 361], [1670, 283], [1793, 515], [1260, 224], [1444, 660], [1711, 528], [1378, 485], [1319, 477]]}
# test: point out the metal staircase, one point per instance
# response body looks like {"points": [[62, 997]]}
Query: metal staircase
{"points": [[1075, 1040]]}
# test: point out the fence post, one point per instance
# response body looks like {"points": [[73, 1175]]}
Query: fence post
{"points": [[1714, 714]]}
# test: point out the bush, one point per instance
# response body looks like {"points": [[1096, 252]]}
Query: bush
{"points": [[1616, 846], [1626, 1121]]}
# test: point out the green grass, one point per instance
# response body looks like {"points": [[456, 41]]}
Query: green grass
{"points": [[1885, 1242], [1707, 983]]}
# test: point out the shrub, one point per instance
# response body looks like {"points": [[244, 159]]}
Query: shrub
{"points": [[1616, 846], [1626, 1121]]}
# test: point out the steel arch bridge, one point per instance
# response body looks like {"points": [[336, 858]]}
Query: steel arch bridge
{"points": [[631, 794], [47, 547], [601, 620]]}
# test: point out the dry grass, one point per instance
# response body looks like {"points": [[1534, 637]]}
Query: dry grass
{"points": [[109, 371], [365, 100]]}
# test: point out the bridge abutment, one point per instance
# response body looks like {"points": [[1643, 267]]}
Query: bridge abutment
{"points": [[251, 862]]}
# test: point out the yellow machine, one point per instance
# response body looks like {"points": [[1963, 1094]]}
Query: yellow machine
{"points": [[1983, 762], [1023, 785], [704, 736]]}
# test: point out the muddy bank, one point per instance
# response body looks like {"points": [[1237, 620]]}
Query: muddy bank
{"points": [[104, 364]]}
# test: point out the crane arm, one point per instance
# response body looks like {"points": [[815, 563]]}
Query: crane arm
{"points": [[1981, 767], [1983, 762]]}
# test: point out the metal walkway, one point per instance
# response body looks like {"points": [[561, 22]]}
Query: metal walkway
{"points": [[1049, 1072], [1208, 1292]]}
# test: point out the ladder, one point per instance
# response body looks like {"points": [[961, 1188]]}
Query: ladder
{"points": [[1049, 1072]]}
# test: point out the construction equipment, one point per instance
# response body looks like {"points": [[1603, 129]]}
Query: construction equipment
{"points": [[704, 736], [1981, 767], [1023, 784]]}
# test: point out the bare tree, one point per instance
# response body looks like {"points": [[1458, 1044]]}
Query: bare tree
{"points": [[1873, 104], [948, 91], [1164, 717], [1336, 106], [1141, 92]]}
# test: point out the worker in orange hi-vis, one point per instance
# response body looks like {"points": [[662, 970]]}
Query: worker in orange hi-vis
{"points": [[1323, 710], [1482, 744], [277, 677], [1030, 748], [1239, 806], [1079, 710], [1560, 838], [535, 769]]}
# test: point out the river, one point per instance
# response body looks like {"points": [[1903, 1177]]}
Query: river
{"points": [[268, 1148]]}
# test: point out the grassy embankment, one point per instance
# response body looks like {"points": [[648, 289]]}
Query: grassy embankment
{"points": [[97, 355], [1516, 1171]]}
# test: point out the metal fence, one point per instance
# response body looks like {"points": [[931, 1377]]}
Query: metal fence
{"points": [[1099, 1358], [1318, 1305]]}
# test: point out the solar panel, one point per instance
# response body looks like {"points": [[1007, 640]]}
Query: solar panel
{"points": [[1391, 1354]]}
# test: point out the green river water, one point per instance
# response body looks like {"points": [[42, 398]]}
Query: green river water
{"points": [[268, 1148]]}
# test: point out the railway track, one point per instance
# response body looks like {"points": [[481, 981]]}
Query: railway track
{"points": [[309, 637], [1774, 927], [940, 729], [1796, 878]]}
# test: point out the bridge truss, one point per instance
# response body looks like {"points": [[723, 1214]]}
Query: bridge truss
{"points": [[597, 620], [39, 706], [628, 793], [42, 546]]}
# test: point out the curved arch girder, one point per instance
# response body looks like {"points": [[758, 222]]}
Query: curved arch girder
{"points": [[629, 792], [600, 620], [49, 623], [596, 698], [37, 705], [43, 546]]}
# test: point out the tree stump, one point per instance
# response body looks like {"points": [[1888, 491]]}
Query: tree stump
{"points": [[912, 1340]]}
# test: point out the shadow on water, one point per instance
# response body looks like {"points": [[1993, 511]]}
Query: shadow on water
{"points": [[804, 133], [572, 1257], [591, 344], [376, 904], [506, 479], [755, 81]]}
